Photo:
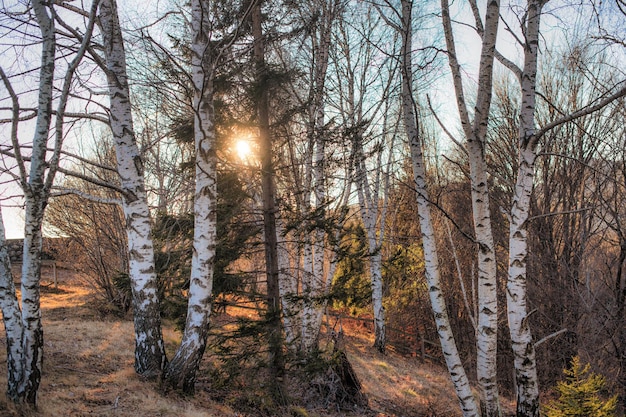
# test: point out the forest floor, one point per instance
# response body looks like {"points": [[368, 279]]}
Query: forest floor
{"points": [[88, 371]]}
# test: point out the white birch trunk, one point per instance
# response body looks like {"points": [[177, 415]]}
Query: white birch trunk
{"points": [[288, 285], [181, 372], [314, 279], [369, 209], [519, 327], [12, 317], [149, 349], [475, 133], [35, 201], [455, 367], [32, 337], [308, 332], [487, 331], [451, 355], [376, 277], [521, 337]]}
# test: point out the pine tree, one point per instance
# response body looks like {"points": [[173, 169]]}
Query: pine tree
{"points": [[580, 394]]}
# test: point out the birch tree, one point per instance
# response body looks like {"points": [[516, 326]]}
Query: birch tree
{"points": [[369, 130], [150, 356], [36, 181], [315, 281], [306, 277], [528, 142], [373, 200], [181, 371], [454, 364], [12, 316], [475, 146]]}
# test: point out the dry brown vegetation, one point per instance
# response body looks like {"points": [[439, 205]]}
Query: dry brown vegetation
{"points": [[88, 371]]}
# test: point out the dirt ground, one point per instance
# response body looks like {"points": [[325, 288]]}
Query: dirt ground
{"points": [[88, 369]]}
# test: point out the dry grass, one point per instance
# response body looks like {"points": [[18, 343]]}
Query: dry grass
{"points": [[88, 371], [88, 365]]}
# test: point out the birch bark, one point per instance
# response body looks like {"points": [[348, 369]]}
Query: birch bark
{"points": [[315, 276], [25, 339], [288, 287], [369, 213], [446, 337], [149, 349], [12, 316], [475, 135], [181, 371], [519, 326], [35, 199]]}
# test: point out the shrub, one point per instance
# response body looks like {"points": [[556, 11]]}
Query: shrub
{"points": [[580, 394]]}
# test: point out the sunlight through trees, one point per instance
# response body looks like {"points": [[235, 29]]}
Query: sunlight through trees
{"points": [[450, 174]]}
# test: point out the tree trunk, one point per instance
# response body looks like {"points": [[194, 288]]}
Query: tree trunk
{"points": [[32, 338], [12, 317], [309, 331], [521, 338], [181, 371], [149, 349], [519, 326], [369, 210], [276, 364], [618, 318], [475, 133], [448, 345], [315, 278], [380, 339], [288, 288], [35, 202], [446, 337]]}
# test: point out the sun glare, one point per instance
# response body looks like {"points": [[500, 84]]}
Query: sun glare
{"points": [[243, 149]]}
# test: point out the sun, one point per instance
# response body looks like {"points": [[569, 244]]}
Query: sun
{"points": [[243, 149]]}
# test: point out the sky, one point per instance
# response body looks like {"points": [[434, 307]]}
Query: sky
{"points": [[13, 218], [12, 214]]}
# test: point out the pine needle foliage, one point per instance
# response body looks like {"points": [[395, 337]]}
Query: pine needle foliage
{"points": [[580, 394]]}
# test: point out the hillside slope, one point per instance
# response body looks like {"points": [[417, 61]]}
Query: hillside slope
{"points": [[88, 370]]}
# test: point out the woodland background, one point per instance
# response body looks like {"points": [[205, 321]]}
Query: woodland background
{"points": [[452, 173]]}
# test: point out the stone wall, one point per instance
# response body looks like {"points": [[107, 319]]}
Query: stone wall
{"points": [[14, 246], [50, 248]]}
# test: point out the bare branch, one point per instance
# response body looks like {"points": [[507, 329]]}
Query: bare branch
{"points": [[67, 83], [560, 213], [394, 25], [512, 66], [550, 336], [89, 162], [21, 118], [577, 114], [443, 126], [62, 191], [91, 180], [91, 116], [479, 22], [14, 127], [470, 311]]}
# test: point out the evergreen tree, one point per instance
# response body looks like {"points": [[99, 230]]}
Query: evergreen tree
{"points": [[580, 394]]}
